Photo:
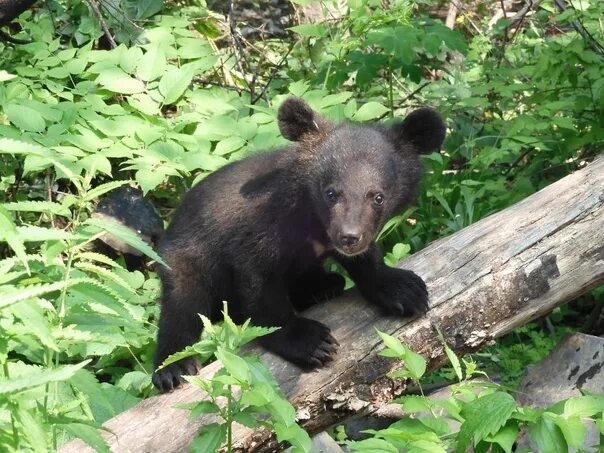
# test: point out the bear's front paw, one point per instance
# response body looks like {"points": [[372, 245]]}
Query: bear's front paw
{"points": [[170, 377], [305, 342], [401, 292]]}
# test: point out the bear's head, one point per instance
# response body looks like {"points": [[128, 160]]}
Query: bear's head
{"points": [[358, 175]]}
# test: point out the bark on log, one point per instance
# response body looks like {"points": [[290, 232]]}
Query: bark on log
{"points": [[485, 280]]}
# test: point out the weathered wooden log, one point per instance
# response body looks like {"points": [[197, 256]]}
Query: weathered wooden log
{"points": [[488, 278]]}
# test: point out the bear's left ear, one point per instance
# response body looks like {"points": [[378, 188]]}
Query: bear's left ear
{"points": [[424, 128], [297, 119]]}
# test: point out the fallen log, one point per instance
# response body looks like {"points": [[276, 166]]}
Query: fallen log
{"points": [[485, 280]]}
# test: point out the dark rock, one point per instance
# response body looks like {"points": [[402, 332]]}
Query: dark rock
{"points": [[575, 364], [128, 206]]}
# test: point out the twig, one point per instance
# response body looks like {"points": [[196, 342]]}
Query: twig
{"points": [[99, 16], [406, 98], [518, 19], [273, 74], [241, 51], [519, 159]]}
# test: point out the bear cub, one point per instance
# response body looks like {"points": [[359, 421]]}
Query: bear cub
{"points": [[255, 233]]}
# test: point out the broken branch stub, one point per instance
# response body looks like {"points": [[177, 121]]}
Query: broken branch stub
{"points": [[485, 280]]}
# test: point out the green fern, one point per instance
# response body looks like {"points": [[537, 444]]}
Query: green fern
{"points": [[106, 274], [11, 295], [38, 206], [127, 235]]}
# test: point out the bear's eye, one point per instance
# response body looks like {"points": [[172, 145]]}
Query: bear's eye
{"points": [[379, 199], [330, 194]]}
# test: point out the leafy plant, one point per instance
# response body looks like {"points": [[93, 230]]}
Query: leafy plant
{"points": [[479, 415], [173, 102], [242, 391]]}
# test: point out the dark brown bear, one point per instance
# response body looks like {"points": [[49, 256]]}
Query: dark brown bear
{"points": [[255, 233]]}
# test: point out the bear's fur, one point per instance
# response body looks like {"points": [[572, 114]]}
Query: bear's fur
{"points": [[255, 232]]}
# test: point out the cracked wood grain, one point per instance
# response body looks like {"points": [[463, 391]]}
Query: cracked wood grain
{"points": [[484, 281]]}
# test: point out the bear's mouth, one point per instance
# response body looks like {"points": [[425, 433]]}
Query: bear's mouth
{"points": [[352, 250]]}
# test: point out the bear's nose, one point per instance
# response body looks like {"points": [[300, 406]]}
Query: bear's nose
{"points": [[349, 239]]}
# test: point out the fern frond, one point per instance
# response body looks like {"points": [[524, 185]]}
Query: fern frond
{"points": [[98, 257], [38, 206], [12, 295], [105, 273], [127, 235]]}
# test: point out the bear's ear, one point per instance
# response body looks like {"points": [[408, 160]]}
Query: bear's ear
{"points": [[296, 119], [424, 128]]}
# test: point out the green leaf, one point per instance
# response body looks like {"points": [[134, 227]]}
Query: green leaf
{"points": [[295, 435], [583, 406], [125, 234], [11, 146], [505, 437], [39, 377], [415, 363], [25, 118], [38, 206], [259, 396], [174, 83], [282, 411], [235, 365], [246, 418], [425, 446], [103, 189], [4, 76], [210, 438], [89, 435], [372, 445], [31, 233], [199, 408], [152, 65], [33, 430], [335, 99], [149, 179], [315, 30], [9, 233], [484, 416], [547, 435], [118, 81], [228, 145], [394, 344], [414, 404], [105, 274], [370, 111], [452, 358], [600, 425], [572, 429]]}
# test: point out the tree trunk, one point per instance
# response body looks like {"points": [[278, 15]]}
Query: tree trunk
{"points": [[484, 281]]}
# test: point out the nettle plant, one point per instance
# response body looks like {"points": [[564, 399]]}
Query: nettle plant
{"points": [[68, 315], [479, 415], [242, 391]]}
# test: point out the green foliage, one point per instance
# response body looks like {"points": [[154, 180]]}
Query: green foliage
{"points": [[527, 345], [173, 102], [252, 395], [479, 416]]}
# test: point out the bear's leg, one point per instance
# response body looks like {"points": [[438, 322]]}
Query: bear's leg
{"points": [[179, 327], [314, 285], [305, 342], [397, 291]]}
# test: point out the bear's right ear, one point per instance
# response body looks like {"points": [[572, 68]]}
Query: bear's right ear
{"points": [[297, 119], [424, 128]]}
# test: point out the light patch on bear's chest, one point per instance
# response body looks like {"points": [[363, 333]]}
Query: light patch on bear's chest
{"points": [[317, 247]]}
